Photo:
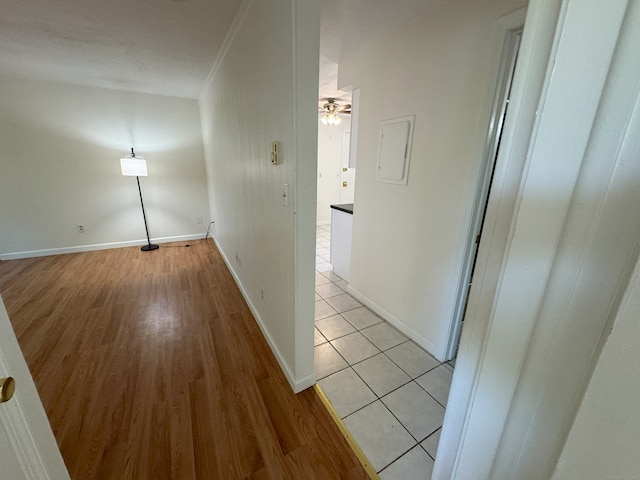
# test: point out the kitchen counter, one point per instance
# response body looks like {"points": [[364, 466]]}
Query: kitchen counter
{"points": [[344, 207]]}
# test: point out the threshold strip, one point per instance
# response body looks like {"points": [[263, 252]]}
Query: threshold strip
{"points": [[373, 475]]}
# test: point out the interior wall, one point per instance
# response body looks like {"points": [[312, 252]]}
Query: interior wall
{"points": [[60, 164], [527, 354], [603, 441], [265, 90], [437, 69], [329, 165]]}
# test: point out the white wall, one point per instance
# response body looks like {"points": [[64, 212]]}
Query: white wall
{"points": [[438, 69], [603, 442], [60, 166], [552, 285], [265, 89], [329, 167]]}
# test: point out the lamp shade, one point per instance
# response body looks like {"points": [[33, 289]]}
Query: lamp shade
{"points": [[133, 167]]}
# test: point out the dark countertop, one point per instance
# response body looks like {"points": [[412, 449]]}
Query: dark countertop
{"points": [[344, 207]]}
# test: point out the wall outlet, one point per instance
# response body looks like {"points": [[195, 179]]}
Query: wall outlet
{"points": [[80, 228], [262, 293], [198, 220], [238, 261]]}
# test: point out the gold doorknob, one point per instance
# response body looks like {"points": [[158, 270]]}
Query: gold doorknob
{"points": [[7, 388]]}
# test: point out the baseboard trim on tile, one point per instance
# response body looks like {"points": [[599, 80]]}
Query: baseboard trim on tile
{"points": [[426, 344], [366, 464]]}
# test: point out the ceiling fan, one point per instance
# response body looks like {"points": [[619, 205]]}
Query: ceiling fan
{"points": [[331, 110]]}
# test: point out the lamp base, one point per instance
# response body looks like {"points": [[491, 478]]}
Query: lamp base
{"points": [[150, 246]]}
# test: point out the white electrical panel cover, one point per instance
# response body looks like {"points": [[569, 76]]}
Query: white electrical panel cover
{"points": [[395, 150]]}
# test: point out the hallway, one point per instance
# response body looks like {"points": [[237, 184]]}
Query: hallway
{"points": [[389, 392]]}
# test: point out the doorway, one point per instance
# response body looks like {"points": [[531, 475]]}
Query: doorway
{"points": [[335, 177], [500, 107]]}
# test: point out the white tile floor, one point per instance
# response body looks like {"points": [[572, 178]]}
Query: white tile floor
{"points": [[389, 392]]}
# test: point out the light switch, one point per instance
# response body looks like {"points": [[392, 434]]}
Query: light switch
{"points": [[285, 194]]}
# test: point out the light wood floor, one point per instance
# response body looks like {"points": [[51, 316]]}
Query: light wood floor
{"points": [[151, 366]]}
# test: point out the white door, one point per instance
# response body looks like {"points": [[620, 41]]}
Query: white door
{"points": [[347, 175], [510, 51], [28, 450]]}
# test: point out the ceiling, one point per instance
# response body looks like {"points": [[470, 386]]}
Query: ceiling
{"points": [[164, 47], [349, 25]]}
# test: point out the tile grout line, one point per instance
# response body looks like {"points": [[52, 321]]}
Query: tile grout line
{"points": [[413, 379], [329, 275], [373, 475]]}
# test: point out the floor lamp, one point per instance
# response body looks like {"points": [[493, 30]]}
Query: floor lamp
{"points": [[137, 167]]}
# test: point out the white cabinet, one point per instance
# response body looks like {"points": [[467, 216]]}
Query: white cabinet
{"points": [[341, 228]]}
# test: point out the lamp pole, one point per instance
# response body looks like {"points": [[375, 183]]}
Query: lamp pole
{"points": [[128, 171], [149, 245]]}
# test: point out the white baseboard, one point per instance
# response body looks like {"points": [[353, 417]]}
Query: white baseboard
{"points": [[303, 383], [297, 385], [321, 224], [425, 343], [91, 248]]}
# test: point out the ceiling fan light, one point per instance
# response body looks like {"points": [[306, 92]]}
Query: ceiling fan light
{"points": [[331, 109]]}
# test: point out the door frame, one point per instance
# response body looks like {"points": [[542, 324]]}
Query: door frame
{"points": [[512, 401], [507, 38], [529, 80]]}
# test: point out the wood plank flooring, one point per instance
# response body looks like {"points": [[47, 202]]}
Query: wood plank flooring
{"points": [[151, 366]]}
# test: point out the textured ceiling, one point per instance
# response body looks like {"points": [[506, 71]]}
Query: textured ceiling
{"points": [[349, 25], [164, 47]]}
